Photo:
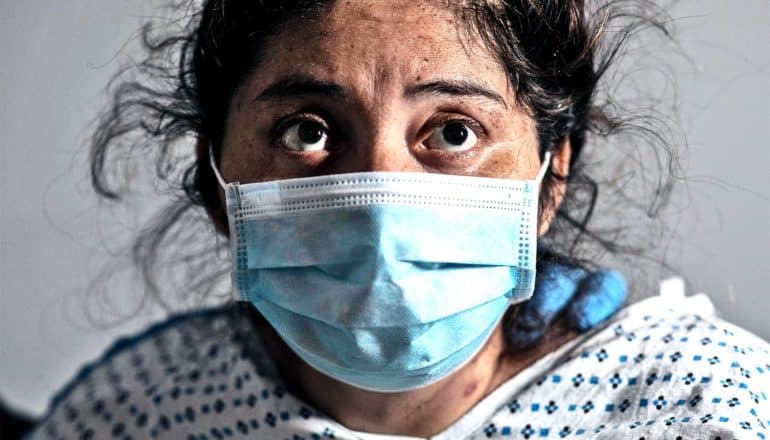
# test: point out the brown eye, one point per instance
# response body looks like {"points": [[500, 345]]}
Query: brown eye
{"points": [[305, 136], [452, 136]]}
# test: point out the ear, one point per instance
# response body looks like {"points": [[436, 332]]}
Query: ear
{"points": [[213, 196], [555, 188]]}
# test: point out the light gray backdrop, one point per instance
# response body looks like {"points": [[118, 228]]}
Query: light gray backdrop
{"points": [[57, 56]]}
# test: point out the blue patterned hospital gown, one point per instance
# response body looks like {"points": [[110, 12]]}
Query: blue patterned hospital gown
{"points": [[664, 368]]}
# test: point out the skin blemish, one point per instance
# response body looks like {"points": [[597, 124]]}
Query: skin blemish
{"points": [[470, 389]]}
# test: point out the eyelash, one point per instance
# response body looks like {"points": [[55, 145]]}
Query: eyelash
{"points": [[284, 122], [444, 158], [281, 123], [474, 125]]}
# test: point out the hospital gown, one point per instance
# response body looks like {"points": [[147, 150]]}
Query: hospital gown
{"points": [[663, 368]]}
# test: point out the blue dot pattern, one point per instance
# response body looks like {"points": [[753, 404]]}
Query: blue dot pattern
{"points": [[663, 368]]}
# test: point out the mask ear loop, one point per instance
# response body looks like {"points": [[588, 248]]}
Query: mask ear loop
{"points": [[544, 167], [214, 168]]}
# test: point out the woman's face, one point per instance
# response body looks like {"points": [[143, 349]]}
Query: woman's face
{"points": [[377, 86]]}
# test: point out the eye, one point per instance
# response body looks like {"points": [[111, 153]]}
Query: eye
{"points": [[306, 135], [452, 136]]}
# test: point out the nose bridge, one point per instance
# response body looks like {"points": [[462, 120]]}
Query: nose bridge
{"points": [[381, 120], [387, 149], [381, 145]]}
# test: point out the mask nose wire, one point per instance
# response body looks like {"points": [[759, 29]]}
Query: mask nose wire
{"points": [[544, 167], [214, 168]]}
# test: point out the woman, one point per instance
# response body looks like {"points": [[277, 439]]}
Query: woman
{"points": [[382, 171]]}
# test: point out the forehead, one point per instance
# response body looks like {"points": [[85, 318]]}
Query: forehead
{"points": [[377, 44]]}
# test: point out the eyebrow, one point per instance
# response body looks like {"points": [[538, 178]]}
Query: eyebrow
{"points": [[455, 88], [300, 85]]}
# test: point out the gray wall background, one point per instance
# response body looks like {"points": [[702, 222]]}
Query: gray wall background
{"points": [[54, 236]]}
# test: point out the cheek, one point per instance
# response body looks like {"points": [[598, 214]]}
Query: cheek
{"points": [[246, 155], [244, 160], [516, 156], [509, 162], [252, 159]]}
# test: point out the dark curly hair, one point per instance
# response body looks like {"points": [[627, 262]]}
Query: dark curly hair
{"points": [[555, 52]]}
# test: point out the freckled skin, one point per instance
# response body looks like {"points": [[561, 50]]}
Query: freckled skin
{"points": [[374, 50], [349, 46]]}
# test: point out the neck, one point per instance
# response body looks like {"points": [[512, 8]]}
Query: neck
{"points": [[422, 412]]}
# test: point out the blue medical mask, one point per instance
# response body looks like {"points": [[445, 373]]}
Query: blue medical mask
{"points": [[385, 281]]}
